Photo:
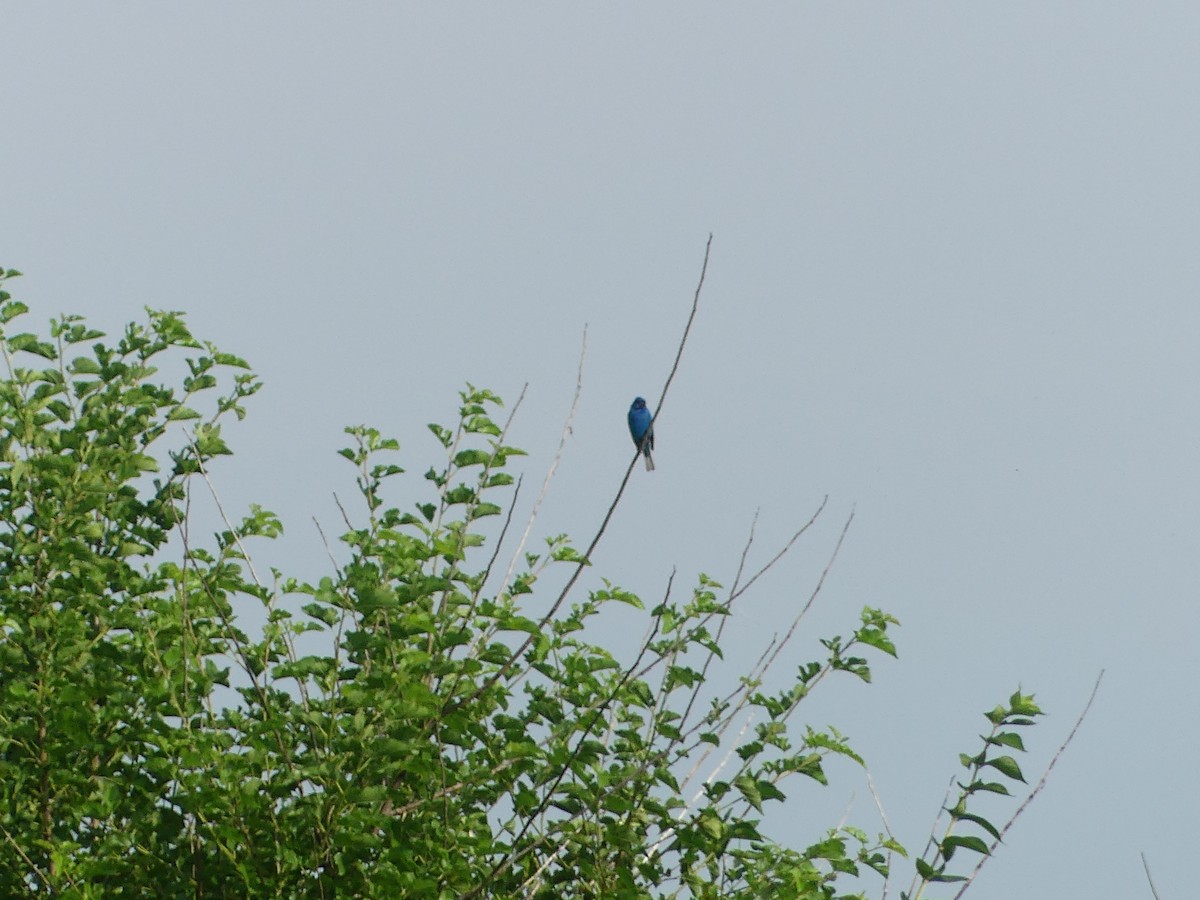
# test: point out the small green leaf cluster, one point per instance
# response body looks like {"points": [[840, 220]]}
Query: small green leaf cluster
{"points": [[993, 758]]}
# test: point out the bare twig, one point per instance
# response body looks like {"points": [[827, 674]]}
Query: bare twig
{"points": [[745, 689], [562, 443], [737, 576], [760, 668], [1149, 878], [585, 560], [345, 515], [846, 812], [237, 538], [343, 612], [328, 550], [816, 590], [887, 827], [738, 591]]}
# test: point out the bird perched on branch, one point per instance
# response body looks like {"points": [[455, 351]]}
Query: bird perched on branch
{"points": [[642, 430]]}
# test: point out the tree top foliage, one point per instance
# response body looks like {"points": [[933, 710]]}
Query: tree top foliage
{"points": [[420, 722]]}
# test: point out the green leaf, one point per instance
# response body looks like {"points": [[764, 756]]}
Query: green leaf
{"points": [[208, 441], [30, 344], [968, 842], [321, 612], [926, 871], [997, 715], [10, 311], [518, 623], [465, 458], [980, 821], [750, 790], [710, 823], [948, 879], [144, 463], [1008, 766], [306, 667], [877, 639], [228, 359], [991, 786], [1023, 705]]}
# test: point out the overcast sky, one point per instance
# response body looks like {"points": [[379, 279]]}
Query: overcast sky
{"points": [[953, 287]]}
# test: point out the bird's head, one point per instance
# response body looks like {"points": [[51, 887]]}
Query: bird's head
{"points": [[639, 403]]}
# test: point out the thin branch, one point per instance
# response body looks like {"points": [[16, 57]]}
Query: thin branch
{"points": [[1037, 790], [686, 330], [237, 538], [528, 883], [390, 810], [484, 635], [745, 689], [933, 829], [813, 596], [735, 591], [846, 812], [585, 560], [483, 479], [343, 613], [562, 443], [721, 725], [328, 549], [512, 507], [1149, 878], [738, 591], [231, 635], [737, 576], [468, 514], [342, 510], [474, 504], [45, 879], [712, 776], [887, 827]]}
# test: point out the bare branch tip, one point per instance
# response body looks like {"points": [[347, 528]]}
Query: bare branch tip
{"points": [[1149, 878]]}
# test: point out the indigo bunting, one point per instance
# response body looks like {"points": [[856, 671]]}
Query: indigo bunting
{"points": [[642, 430]]}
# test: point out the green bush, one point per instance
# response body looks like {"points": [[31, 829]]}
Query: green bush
{"points": [[445, 742]]}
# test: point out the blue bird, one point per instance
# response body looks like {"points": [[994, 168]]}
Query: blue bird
{"points": [[642, 430]]}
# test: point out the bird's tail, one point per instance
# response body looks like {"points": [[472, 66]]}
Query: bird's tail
{"points": [[649, 460]]}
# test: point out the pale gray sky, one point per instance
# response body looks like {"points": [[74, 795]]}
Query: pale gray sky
{"points": [[953, 286]]}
